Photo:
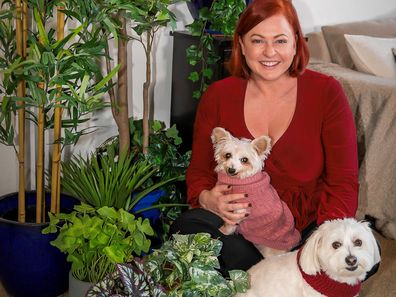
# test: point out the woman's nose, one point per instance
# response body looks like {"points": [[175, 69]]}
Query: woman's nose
{"points": [[269, 49]]}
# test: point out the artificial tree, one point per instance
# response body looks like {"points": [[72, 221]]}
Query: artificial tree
{"points": [[148, 18], [55, 85]]}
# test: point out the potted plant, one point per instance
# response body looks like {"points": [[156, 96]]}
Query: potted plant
{"points": [[212, 18], [165, 154], [108, 179], [105, 180], [94, 239], [184, 266], [52, 82]]}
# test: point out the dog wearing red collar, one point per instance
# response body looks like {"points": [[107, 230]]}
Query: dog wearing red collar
{"points": [[332, 263]]}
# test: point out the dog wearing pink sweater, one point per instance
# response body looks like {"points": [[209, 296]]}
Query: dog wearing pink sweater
{"points": [[240, 163]]}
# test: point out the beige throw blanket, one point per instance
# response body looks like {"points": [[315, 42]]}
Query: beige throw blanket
{"points": [[373, 103]]}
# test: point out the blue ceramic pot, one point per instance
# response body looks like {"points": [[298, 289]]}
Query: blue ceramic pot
{"points": [[147, 201], [30, 266]]}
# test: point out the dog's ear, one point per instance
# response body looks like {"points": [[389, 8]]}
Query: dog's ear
{"points": [[373, 242], [262, 145], [309, 259], [220, 134]]}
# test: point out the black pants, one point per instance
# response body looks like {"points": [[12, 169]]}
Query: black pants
{"points": [[236, 253]]}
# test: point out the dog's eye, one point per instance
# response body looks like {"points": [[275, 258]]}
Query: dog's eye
{"points": [[227, 156], [244, 160], [357, 242], [336, 245]]}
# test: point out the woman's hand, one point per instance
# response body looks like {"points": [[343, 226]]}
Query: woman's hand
{"points": [[220, 201]]}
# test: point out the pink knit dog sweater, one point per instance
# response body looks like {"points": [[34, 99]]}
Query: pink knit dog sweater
{"points": [[270, 222]]}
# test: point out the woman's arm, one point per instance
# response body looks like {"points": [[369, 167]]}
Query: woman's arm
{"points": [[201, 178], [340, 196], [200, 173]]}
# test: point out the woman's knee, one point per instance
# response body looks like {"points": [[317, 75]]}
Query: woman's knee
{"points": [[195, 221]]}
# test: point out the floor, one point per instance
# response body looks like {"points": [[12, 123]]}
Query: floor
{"points": [[382, 284]]}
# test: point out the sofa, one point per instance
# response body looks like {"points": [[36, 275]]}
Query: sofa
{"points": [[362, 56]]}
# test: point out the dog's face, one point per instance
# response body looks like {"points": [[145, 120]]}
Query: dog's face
{"points": [[344, 249], [239, 157]]}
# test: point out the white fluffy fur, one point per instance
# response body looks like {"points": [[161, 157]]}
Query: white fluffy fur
{"points": [[279, 276], [256, 151]]}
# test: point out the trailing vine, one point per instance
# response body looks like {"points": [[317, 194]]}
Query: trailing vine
{"points": [[218, 19]]}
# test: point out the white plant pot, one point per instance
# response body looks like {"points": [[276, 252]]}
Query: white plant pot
{"points": [[77, 288]]}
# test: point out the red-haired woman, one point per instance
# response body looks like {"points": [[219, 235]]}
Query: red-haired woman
{"points": [[313, 163]]}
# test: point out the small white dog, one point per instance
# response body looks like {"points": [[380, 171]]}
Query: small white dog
{"points": [[269, 223], [333, 262]]}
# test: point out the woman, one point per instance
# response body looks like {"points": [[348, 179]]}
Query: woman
{"points": [[313, 164]]}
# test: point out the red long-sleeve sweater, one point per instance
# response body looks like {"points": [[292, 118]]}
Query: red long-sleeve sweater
{"points": [[313, 166]]}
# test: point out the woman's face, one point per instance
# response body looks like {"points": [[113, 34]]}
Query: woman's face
{"points": [[269, 48]]}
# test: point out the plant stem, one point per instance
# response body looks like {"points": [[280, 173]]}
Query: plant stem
{"points": [[56, 154], [146, 94], [21, 116], [161, 206], [123, 117], [40, 201]]}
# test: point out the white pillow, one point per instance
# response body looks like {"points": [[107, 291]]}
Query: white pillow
{"points": [[372, 54]]}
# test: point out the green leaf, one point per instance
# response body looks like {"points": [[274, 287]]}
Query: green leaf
{"points": [[106, 79], [146, 228], [197, 94], [108, 212], [208, 73], [115, 253], [42, 34], [240, 280], [194, 76]]}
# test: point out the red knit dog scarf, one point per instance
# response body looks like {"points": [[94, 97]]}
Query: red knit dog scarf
{"points": [[323, 284]]}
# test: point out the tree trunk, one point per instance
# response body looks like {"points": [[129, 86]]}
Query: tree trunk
{"points": [[146, 94], [56, 149], [40, 202], [20, 44], [122, 115]]}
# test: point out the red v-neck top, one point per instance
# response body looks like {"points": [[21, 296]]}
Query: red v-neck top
{"points": [[313, 166]]}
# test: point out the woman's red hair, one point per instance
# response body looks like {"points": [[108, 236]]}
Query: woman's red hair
{"points": [[255, 13]]}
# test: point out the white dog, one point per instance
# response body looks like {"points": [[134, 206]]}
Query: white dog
{"points": [[333, 262], [269, 223]]}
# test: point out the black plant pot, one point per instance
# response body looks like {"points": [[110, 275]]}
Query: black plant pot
{"points": [[29, 265]]}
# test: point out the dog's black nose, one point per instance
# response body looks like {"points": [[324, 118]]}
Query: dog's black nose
{"points": [[351, 260], [231, 170]]}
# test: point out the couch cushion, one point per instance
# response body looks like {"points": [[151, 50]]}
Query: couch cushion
{"points": [[372, 54], [334, 36], [318, 47]]}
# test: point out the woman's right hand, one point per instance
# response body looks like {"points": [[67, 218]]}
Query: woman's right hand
{"points": [[221, 201]]}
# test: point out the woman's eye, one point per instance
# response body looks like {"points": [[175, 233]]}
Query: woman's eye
{"points": [[281, 41], [227, 155], [336, 245], [244, 160], [257, 41]]}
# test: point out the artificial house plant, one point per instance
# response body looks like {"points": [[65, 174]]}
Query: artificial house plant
{"points": [[52, 81], [94, 239], [165, 154], [186, 265], [108, 227], [145, 19], [213, 18]]}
